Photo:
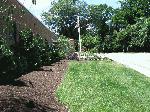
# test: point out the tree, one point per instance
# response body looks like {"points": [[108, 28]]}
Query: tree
{"points": [[131, 22], [137, 8], [99, 18], [129, 12], [118, 20], [34, 2], [135, 38], [140, 34], [62, 17]]}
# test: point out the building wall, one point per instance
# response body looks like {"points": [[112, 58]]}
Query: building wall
{"points": [[24, 19]]}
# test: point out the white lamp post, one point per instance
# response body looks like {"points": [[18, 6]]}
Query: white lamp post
{"points": [[78, 26]]}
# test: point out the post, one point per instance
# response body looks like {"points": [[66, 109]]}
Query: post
{"points": [[78, 25]]}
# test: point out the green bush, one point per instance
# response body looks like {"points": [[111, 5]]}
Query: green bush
{"points": [[46, 54], [4, 48], [30, 53], [20, 64], [7, 63], [106, 44], [140, 33], [34, 48], [62, 48], [116, 46], [27, 48], [135, 38], [91, 43]]}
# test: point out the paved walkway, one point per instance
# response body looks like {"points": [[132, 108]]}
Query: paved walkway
{"points": [[137, 61]]}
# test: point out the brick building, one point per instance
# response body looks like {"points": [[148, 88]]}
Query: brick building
{"points": [[22, 19]]}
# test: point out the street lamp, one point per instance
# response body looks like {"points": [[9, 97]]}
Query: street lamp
{"points": [[78, 26]]}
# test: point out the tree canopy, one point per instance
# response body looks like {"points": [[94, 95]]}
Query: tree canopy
{"points": [[123, 29], [62, 17]]}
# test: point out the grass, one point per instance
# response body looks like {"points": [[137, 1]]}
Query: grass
{"points": [[104, 86]]}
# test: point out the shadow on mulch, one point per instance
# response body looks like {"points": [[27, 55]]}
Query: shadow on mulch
{"points": [[42, 69], [22, 105], [13, 80], [34, 91]]}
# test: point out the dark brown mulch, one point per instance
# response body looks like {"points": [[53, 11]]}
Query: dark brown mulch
{"points": [[35, 91]]}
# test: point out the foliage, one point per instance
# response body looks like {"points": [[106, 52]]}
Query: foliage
{"points": [[131, 22], [118, 20], [116, 46], [93, 18], [128, 13], [11, 63], [91, 43], [99, 16], [30, 53], [27, 53], [62, 48], [4, 48], [124, 38], [104, 86], [33, 48], [135, 8], [140, 34], [118, 29], [7, 64], [106, 45], [62, 17], [135, 37]]}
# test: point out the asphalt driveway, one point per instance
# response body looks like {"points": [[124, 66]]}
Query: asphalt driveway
{"points": [[137, 61]]}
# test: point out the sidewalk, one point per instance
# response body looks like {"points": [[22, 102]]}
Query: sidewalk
{"points": [[137, 61]]}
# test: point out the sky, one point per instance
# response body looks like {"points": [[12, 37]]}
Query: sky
{"points": [[44, 5]]}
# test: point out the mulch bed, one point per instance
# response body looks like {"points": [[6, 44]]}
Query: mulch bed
{"points": [[35, 91]]}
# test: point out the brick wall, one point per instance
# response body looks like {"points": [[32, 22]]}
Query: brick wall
{"points": [[23, 18]]}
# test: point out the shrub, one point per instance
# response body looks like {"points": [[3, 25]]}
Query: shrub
{"points": [[4, 48], [46, 54], [20, 64], [106, 44], [34, 48], [91, 43], [135, 38], [7, 63], [62, 48], [30, 53]]}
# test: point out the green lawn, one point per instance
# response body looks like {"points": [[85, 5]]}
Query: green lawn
{"points": [[104, 86]]}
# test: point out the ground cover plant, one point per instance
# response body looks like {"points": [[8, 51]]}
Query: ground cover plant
{"points": [[104, 86]]}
